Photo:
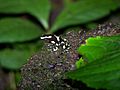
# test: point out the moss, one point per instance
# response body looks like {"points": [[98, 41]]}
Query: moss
{"points": [[45, 70]]}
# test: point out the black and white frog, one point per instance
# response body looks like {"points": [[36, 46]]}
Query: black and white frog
{"points": [[56, 42]]}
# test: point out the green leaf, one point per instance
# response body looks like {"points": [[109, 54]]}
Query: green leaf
{"points": [[103, 69], [91, 26], [83, 11], [38, 8], [98, 47], [15, 58], [80, 63], [17, 30], [18, 78]]}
